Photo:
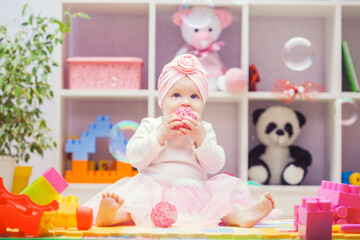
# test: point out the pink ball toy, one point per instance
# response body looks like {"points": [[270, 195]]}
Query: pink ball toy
{"points": [[163, 214], [183, 112], [236, 80]]}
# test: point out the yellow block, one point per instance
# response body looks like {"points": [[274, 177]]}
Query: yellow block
{"points": [[21, 178], [104, 165], [66, 215]]}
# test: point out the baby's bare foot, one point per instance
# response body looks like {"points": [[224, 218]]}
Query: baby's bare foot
{"points": [[108, 210], [249, 215]]}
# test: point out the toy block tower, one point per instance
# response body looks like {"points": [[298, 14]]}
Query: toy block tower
{"points": [[345, 201], [314, 219], [80, 149]]}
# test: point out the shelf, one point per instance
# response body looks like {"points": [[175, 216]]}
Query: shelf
{"points": [[260, 28], [320, 97], [107, 7], [114, 94]]}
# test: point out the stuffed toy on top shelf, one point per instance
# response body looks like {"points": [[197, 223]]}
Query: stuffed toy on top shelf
{"points": [[201, 40], [276, 160]]}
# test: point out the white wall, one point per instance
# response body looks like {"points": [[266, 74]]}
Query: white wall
{"points": [[9, 11]]}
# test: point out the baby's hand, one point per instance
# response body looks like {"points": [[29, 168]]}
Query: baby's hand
{"points": [[166, 129], [196, 129]]}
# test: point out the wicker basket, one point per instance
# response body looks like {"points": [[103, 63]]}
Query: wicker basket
{"points": [[105, 72]]}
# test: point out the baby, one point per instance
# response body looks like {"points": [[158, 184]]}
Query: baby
{"points": [[173, 156]]}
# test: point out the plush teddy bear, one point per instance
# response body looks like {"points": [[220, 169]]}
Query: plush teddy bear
{"points": [[200, 28], [276, 160]]}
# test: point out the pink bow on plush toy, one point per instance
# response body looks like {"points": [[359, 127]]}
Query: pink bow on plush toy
{"points": [[216, 46], [285, 91]]}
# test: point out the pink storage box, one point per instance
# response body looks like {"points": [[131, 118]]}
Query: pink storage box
{"points": [[105, 72]]}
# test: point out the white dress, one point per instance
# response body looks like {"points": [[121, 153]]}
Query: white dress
{"points": [[177, 173]]}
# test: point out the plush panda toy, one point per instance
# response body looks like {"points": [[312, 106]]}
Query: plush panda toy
{"points": [[275, 160]]}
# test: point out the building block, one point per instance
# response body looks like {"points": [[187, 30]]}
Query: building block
{"points": [[80, 177], [83, 172], [21, 178], [101, 127], [120, 141], [354, 178], [345, 177], [315, 218], [340, 194], [46, 188], [78, 149], [345, 201], [56, 180], [20, 212], [71, 215]]}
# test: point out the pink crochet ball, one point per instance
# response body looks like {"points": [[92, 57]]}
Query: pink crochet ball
{"points": [[183, 112], [163, 214]]}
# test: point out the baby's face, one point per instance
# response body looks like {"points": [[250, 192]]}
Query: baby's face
{"points": [[184, 93]]}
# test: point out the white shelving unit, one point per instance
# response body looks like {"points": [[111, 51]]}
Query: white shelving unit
{"points": [[143, 28]]}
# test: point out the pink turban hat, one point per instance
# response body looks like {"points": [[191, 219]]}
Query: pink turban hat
{"points": [[179, 67]]}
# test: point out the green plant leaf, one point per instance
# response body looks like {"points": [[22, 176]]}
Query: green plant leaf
{"points": [[82, 15], [26, 63], [24, 9]]}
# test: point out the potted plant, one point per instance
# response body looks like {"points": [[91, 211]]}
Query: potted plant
{"points": [[26, 63]]}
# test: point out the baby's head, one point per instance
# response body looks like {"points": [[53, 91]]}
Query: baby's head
{"points": [[183, 83]]}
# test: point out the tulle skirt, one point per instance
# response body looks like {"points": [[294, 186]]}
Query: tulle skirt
{"points": [[198, 204]]}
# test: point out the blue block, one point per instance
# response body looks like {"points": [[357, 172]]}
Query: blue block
{"points": [[101, 127], [75, 146], [88, 142], [345, 177], [119, 142]]}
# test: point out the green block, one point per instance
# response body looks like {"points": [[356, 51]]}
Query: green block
{"points": [[40, 191]]}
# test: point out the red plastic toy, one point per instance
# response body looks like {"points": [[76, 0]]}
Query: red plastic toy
{"points": [[18, 211]]}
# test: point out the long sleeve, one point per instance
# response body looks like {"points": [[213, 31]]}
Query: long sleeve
{"points": [[143, 147], [210, 155]]}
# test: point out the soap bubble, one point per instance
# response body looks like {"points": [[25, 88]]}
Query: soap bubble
{"points": [[119, 137], [201, 20], [349, 110], [298, 54]]}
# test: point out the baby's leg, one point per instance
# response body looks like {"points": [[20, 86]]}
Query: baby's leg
{"points": [[109, 211], [248, 216]]}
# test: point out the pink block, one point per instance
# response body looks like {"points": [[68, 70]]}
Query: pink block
{"points": [[341, 211], [56, 180], [353, 215], [105, 72], [340, 194], [350, 228], [296, 217], [315, 220], [341, 221]]}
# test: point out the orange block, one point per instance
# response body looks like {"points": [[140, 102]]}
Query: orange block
{"points": [[80, 177], [80, 166]]}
